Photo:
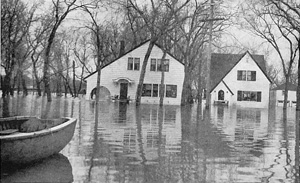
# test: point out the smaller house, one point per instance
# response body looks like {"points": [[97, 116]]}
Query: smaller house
{"points": [[239, 79], [292, 94]]}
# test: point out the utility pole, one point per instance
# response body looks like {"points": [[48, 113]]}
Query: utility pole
{"points": [[207, 105]]}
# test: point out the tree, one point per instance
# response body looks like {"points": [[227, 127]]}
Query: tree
{"points": [[60, 11], [159, 19], [16, 19], [82, 54], [262, 18], [102, 45]]}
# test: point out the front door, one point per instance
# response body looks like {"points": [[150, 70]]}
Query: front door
{"points": [[221, 95], [123, 90]]}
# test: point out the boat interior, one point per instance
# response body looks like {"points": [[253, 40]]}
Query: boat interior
{"points": [[26, 125]]}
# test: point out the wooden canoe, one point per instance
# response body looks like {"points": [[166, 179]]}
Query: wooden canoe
{"points": [[28, 139]]}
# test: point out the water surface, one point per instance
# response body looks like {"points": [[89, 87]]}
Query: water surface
{"points": [[164, 144]]}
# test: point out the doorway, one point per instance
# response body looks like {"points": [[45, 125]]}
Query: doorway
{"points": [[221, 95], [123, 90]]}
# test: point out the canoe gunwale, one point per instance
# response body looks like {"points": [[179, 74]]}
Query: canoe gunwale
{"points": [[26, 135]]}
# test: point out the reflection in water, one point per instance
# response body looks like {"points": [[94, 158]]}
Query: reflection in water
{"points": [[56, 168], [5, 107], [149, 143]]}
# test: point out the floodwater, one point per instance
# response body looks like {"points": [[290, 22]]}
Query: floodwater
{"points": [[168, 144]]}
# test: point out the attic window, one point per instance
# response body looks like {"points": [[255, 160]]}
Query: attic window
{"points": [[156, 65], [243, 75], [133, 64]]}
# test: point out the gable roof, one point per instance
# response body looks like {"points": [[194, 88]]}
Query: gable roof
{"points": [[290, 86], [227, 87], [222, 64], [141, 44]]}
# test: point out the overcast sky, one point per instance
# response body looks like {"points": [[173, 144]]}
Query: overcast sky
{"points": [[234, 35]]}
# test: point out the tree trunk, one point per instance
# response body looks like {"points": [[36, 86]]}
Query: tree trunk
{"points": [[66, 89], [143, 71], [99, 65], [186, 96], [162, 82], [285, 96], [74, 81], [297, 125], [199, 93], [208, 87], [46, 70], [25, 91], [6, 87]]}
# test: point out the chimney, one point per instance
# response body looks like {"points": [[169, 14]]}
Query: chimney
{"points": [[122, 48]]}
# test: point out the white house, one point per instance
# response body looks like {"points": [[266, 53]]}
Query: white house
{"points": [[239, 79], [120, 77], [292, 94]]}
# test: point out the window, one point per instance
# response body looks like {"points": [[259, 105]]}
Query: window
{"points": [[166, 65], [133, 64], [130, 64], [136, 64], [249, 96], [146, 90], [171, 91], [157, 65], [243, 75], [251, 75], [155, 90], [153, 65], [150, 90]]}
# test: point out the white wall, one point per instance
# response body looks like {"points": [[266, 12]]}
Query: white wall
{"points": [[292, 96], [117, 69], [261, 84]]}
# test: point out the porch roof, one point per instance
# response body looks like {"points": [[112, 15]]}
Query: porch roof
{"points": [[123, 80]]}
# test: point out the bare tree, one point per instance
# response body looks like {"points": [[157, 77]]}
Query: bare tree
{"points": [[159, 18], [263, 20], [16, 19], [61, 9], [99, 34], [82, 52]]}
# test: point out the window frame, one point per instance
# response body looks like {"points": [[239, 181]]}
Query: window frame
{"points": [[130, 63], [246, 75], [171, 93], [136, 64], [153, 64], [249, 96]]}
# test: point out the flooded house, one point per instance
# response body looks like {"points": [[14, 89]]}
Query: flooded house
{"points": [[239, 79], [120, 78], [292, 94]]}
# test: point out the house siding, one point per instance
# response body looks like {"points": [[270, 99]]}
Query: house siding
{"points": [[261, 84], [292, 98], [118, 69]]}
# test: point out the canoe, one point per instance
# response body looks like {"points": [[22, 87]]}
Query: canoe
{"points": [[27, 139]]}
